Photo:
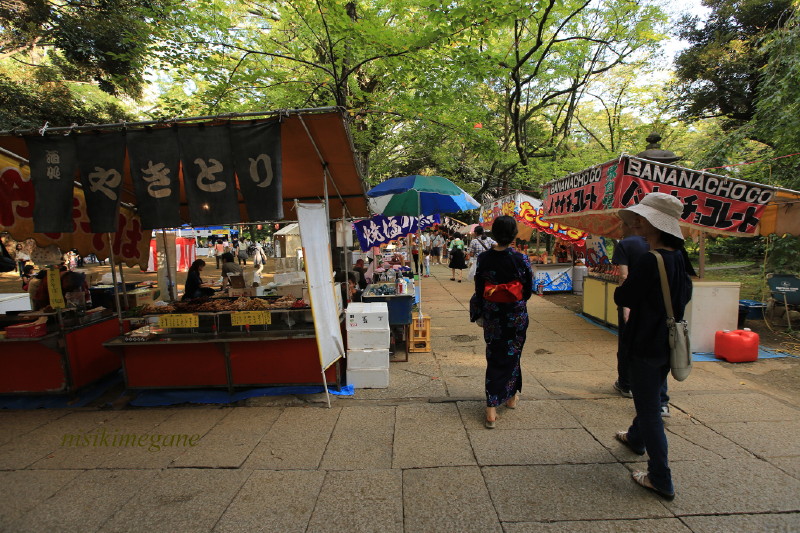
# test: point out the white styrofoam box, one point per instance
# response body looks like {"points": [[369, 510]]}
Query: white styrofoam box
{"points": [[714, 307], [367, 339], [357, 359], [367, 315], [368, 378]]}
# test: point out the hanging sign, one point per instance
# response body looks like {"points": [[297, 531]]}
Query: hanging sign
{"points": [[528, 212], [155, 167], [179, 320], [100, 160], [257, 159], [708, 200], [54, 288], [52, 161], [380, 229], [251, 318], [208, 176]]}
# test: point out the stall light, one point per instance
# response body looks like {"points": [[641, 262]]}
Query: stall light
{"points": [[206, 207]]}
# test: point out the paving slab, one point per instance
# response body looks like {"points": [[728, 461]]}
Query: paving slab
{"points": [[615, 413], [296, 440], [428, 435], [726, 487], [231, 440], [363, 500], [179, 499], [273, 501], [531, 414], [578, 384], [765, 439], [361, 440], [409, 380], [106, 444], [565, 362], [790, 465], [446, 500], [537, 447], [735, 407], [568, 492], [15, 424], [26, 449], [556, 345], [86, 502], [651, 525], [743, 522], [25, 489]]}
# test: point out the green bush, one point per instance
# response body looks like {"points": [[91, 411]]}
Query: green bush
{"points": [[783, 254]]}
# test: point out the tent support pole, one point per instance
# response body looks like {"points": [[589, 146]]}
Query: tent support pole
{"points": [[114, 280], [702, 260], [170, 284], [124, 288]]}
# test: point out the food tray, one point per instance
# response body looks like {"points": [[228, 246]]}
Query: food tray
{"points": [[26, 331]]}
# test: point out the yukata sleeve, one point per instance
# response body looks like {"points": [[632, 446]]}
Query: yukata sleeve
{"points": [[476, 302]]}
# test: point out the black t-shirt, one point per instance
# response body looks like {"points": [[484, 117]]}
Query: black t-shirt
{"points": [[192, 287], [646, 334], [629, 250]]}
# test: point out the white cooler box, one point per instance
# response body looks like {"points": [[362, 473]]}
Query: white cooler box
{"points": [[362, 359], [367, 326], [368, 378]]}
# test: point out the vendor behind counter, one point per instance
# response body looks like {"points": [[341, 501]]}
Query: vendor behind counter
{"points": [[195, 287]]}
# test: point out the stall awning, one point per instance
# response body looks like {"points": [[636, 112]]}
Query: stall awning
{"points": [[713, 204], [313, 144]]}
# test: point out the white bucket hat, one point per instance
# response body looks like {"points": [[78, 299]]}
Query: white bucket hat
{"points": [[661, 210]]}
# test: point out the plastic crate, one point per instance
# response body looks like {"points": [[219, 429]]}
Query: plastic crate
{"points": [[419, 337], [754, 309]]}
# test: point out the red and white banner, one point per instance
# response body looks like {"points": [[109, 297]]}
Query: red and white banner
{"points": [[184, 254]]}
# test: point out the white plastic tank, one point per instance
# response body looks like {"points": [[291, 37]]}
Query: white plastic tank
{"points": [[578, 273]]}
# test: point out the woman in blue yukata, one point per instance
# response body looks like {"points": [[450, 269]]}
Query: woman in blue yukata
{"points": [[503, 285]]}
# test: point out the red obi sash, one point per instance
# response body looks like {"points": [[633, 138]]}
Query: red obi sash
{"points": [[503, 292]]}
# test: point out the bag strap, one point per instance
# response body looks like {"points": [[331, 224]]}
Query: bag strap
{"points": [[662, 274]]}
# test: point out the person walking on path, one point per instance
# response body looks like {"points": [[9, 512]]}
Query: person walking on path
{"points": [[503, 285], [479, 244], [457, 261], [646, 341], [22, 258], [437, 244]]}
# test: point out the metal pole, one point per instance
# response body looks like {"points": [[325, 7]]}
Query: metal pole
{"points": [[170, 283], [702, 251], [114, 280], [124, 288]]}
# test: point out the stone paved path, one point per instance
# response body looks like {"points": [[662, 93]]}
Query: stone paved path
{"points": [[415, 457]]}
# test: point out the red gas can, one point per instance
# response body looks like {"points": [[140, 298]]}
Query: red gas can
{"points": [[736, 346]]}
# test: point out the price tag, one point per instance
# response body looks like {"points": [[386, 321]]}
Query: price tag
{"points": [[179, 321], [251, 318]]}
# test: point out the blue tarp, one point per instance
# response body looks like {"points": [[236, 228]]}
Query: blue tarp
{"points": [[154, 398]]}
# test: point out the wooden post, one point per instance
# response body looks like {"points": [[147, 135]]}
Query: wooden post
{"points": [[702, 260]]}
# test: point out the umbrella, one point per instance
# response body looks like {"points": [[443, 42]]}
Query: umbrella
{"points": [[419, 196]]}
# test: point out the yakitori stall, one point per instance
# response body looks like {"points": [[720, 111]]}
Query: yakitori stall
{"points": [[61, 348], [552, 273], [714, 204], [210, 171]]}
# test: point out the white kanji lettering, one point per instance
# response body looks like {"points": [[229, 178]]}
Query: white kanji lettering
{"points": [[52, 157], [267, 161], [207, 174], [373, 233], [158, 180], [391, 229], [102, 180], [54, 173]]}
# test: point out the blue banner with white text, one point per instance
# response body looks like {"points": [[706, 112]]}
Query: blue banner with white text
{"points": [[380, 229]]}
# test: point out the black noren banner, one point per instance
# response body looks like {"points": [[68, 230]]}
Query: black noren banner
{"points": [[257, 158], [208, 174], [101, 157], [155, 167], [52, 162]]}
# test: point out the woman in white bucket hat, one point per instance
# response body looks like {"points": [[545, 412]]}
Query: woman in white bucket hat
{"points": [[645, 342]]}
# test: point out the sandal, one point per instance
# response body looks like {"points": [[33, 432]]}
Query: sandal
{"points": [[490, 424], [622, 436], [642, 480], [452, 279], [516, 402]]}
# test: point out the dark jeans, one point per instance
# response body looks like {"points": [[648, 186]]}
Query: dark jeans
{"points": [[623, 373], [647, 429], [416, 263], [21, 267]]}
